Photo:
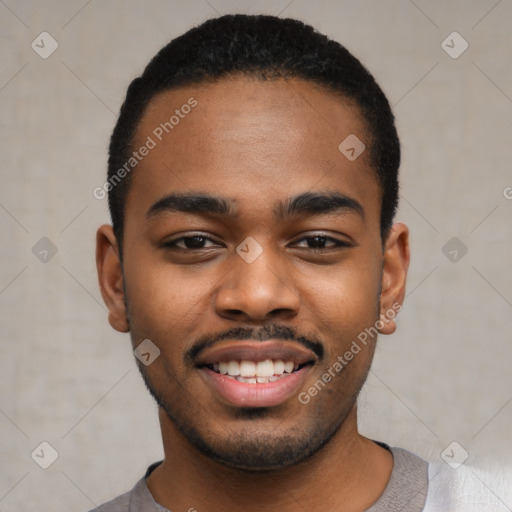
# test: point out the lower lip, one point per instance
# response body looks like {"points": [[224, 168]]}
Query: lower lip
{"points": [[243, 394]]}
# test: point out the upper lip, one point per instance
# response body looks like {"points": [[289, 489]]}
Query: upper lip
{"points": [[256, 351]]}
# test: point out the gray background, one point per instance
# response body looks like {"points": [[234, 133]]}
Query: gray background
{"points": [[70, 380]]}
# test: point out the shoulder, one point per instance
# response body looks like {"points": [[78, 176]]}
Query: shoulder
{"points": [[443, 488], [406, 462], [460, 490], [407, 485], [139, 499], [119, 504]]}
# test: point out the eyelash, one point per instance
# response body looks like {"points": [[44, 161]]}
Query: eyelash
{"points": [[172, 244]]}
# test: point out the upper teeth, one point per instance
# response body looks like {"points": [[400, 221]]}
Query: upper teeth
{"points": [[244, 368]]}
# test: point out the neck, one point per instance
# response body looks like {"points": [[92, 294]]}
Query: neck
{"points": [[349, 473]]}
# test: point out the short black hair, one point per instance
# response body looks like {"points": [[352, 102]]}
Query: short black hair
{"points": [[269, 48]]}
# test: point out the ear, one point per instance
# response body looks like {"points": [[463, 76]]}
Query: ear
{"points": [[110, 277], [394, 276]]}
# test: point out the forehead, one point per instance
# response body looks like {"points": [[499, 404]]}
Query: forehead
{"points": [[301, 110], [250, 137]]}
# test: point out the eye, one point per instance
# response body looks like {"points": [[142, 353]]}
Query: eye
{"points": [[193, 242], [318, 242], [199, 241]]}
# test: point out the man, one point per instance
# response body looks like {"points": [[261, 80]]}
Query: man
{"points": [[253, 182]]}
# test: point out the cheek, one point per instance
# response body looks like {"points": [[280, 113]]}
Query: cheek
{"points": [[164, 300], [343, 292], [341, 304]]}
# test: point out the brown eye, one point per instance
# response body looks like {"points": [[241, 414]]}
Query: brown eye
{"points": [[318, 242], [189, 243]]}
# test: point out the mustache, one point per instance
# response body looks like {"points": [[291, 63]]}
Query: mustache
{"points": [[262, 334]]}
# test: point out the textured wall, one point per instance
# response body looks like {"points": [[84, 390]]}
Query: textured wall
{"points": [[70, 380]]}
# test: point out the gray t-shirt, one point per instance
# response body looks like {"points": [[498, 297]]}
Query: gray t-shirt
{"points": [[406, 490]]}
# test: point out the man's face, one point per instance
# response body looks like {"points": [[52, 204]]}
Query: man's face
{"points": [[196, 289]]}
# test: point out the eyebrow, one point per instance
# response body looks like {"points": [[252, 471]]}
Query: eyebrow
{"points": [[312, 203]]}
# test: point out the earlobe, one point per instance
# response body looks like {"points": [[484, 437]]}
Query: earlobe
{"points": [[394, 276], [110, 277]]}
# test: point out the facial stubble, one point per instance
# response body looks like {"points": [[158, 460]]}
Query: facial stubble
{"points": [[252, 449]]}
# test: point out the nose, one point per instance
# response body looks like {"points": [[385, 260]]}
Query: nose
{"points": [[258, 291]]}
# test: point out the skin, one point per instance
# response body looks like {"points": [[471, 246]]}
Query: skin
{"points": [[256, 143]]}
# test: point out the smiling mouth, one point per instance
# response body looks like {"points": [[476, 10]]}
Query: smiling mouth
{"points": [[256, 372]]}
